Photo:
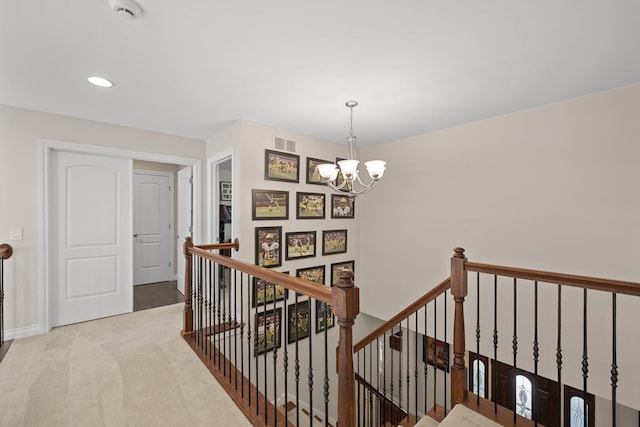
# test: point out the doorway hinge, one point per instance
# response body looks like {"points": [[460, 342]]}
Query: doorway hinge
{"points": [[190, 229], [169, 263], [169, 226], [191, 180]]}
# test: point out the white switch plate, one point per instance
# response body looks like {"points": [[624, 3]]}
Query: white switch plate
{"points": [[15, 233]]}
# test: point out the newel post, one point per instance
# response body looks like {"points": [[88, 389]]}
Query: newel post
{"points": [[459, 292], [188, 311], [345, 301]]}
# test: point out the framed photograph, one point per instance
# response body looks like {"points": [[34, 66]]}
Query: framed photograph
{"points": [[265, 292], [268, 242], [435, 352], [312, 274], [225, 190], [310, 205], [300, 245], [281, 166], [270, 204], [334, 242], [299, 318], [325, 319], [340, 178], [338, 267], [313, 176], [268, 327], [342, 206]]}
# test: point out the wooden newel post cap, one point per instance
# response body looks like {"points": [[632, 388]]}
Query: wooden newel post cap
{"points": [[187, 244], [458, 252], [6, 251]]}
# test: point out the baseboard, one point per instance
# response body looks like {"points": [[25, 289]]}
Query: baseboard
{"points": [[26, 331]]}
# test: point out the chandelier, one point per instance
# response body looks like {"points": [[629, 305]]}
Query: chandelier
{"points": [[345, 178]]}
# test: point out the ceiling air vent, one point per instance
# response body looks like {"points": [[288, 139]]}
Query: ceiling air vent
{"points": [[284, 144]]}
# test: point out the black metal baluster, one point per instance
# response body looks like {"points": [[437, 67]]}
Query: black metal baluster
{"points": [[252, 294], [475, 365], [223, 327], [234, 282], [358, 410], [406, 338], [400, 370], [536, 353], [285, 364], [242, 322], [495, 342], [446, 357], [378, 379], [585, 359], [559, 345], [614, 361], [394, 412], [310, 372], [211, 330], [276, 342], [424, 361], [435, 355], [264, 354], [1, 302], [384, 376], [200, 302], [515, 334], [415, 356], [297, 368], [326, 367], [370, 385]]}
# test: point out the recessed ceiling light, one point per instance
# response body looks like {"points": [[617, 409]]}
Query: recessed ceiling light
{"points": [[100, 81]]}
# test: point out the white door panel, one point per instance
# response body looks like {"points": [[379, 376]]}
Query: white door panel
{"points": [[91, 237], [151, 228]]}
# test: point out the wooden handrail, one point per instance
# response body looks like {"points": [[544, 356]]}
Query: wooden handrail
{"points": [[5, 251], [412, 308], [297, 284], [227, 245], [615, 286]]}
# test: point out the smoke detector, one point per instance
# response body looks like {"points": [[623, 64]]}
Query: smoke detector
{"points": [[128, 9]]}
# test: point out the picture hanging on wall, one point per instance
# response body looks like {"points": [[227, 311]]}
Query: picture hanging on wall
{"points": [[300, 245], [299, 318], [325, 319], [265, 292], [280, 166], [334, 242], [310, 205], [267, 327], [342, 206], [268, 242], [436, 353], [313, 176], [338, 267], [270, 204]]}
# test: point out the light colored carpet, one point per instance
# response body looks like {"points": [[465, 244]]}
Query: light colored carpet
{"points": [[129, 370], [461, 416]]}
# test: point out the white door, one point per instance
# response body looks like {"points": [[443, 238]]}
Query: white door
{"points": [[90, 241], [185, 219], [151, 228]]}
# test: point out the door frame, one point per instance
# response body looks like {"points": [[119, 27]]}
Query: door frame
{"points": [[46, 146], [213, 196], [171, 208]]}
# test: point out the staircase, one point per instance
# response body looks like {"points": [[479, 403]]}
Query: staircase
{"points": [[417, 369]]}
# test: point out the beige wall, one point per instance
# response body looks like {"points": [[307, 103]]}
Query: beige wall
{"points": [[552, 188], [21, 193]]}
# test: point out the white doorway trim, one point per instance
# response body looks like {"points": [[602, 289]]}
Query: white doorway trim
{"points": [[45, 149], [213, 196]]}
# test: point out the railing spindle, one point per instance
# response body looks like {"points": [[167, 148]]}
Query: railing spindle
{"points": [[477, 365], [614, 360], [515, 334], [326, 366], [585, 358], [495, 343], [444, 382], [559, 345], [535, 351], [415, 357]]}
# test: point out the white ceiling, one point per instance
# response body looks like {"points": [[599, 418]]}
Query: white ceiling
{"points": [[192, 67]]}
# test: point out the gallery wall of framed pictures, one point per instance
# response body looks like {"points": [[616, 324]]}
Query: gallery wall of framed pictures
{"points": [[312, 243]]}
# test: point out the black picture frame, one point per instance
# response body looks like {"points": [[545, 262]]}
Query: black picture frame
{"points": [[301, 244], [313, 176], [334, 242], [268, 254], [338, 267], [225, 191], [281, 166], [265, 292], [310, 205], [299, 321], [342, 206], [269, 204], [268, 328], [313, 274], [321, 319]]}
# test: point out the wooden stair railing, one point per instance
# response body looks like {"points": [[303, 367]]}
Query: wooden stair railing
{"points": [[5, 253], [343, 298]]}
